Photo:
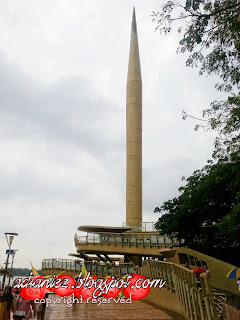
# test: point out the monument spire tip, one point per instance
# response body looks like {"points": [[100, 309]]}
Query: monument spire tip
{"points": [[134, 26]]}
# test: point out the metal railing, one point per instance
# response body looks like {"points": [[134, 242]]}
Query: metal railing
{"points": [[198, 303], [142, 226], [62, 264], [102, 270], [99, 269], [127, 239]]}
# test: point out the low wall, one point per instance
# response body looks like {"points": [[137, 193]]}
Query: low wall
{"points": [[166, 299]]}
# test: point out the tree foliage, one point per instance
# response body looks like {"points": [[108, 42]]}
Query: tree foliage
{"points": [[18, 271], [211, 34], [206, 214]]}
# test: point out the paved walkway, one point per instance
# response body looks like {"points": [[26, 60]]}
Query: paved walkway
{"points": [[137, 310]]}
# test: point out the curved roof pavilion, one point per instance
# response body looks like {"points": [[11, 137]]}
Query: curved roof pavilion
{"points": [[104, 229]]}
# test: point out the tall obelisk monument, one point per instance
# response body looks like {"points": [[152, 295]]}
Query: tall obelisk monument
{"points": [[134, 132]]}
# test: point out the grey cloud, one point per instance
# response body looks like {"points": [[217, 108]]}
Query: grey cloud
{"points": [[69, 110], [162, 183]]}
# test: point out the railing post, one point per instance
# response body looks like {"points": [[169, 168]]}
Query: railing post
{"points": [[194, 303], [200, 303], [208, 296]]}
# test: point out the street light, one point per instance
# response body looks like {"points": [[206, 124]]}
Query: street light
{"points": [[9, 236], [13, 255]]}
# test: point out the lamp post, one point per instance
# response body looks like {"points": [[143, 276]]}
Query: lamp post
{"points": [[9, 236], [13, 255]]}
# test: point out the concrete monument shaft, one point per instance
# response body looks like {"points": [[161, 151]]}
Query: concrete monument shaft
{"points": [[134, 132]]}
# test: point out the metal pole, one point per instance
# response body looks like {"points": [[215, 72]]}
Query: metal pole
{"points": [[14, 252], [9, 242], [6, 265]]}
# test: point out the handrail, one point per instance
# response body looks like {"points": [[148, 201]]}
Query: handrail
{"points": [[197, 303], [142, 226], [101, 269], [62, 264], [128, 239]]}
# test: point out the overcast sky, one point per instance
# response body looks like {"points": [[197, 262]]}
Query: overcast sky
{"points": [[63, 71]]}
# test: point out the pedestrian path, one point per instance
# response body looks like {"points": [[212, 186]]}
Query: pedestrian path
{"points": [[137, 310]]}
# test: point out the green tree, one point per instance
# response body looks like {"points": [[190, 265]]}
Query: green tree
{"points": [[206, 214], [7, 272], [211, 34]]}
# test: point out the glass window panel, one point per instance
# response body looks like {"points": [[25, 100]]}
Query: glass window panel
{"points": [[139, 241], [168, 241], [160, 240], [130, 269], [142, 227], [183, 258], [88, 267], [109, 269], [96, 238], [146, 241], [118, 240], [191, 260], [104, 238], [123, 270], [125, 240], [90, 237], [132, 240], [175, 242], [104, 269], [154, 240], [93, 267], [98, 268], [111, 239], [148, 227]]}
